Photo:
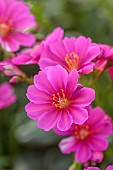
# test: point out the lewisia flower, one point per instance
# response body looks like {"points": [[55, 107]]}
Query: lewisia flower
{"points": [[71, 53], [105, 56], [15, 19], [7, 97], [110, 167], [32, 55], [87, 138], [57, 100]]}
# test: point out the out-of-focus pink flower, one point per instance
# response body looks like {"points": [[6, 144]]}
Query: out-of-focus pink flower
{"points": [[88, 137], [71, 53], [92, 168], [29, 56], [110, 167], [15, 19], [105, 56], [7, 97], [57, 99], [97, 157], [9, 69], [32, 55]]}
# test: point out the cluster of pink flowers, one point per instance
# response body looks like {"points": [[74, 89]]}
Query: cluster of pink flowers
{"points": [[57, 99]]}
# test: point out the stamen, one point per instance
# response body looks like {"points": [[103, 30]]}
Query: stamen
{"points": [[71, 61], [60, 100], [81, 131], [4, 29]]}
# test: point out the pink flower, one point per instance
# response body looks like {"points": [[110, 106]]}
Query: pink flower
{"points": [[92, 168], [57, 100], [15, 19], [32, 55], [7, 97], [110, 167], [88, 137], [71, 53], [97, 157], [105, 57]]}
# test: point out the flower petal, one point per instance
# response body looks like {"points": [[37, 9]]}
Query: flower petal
{"points": [[57, 76], [68, 145], [48, 120], [38, 97], [79, 115], [42, 83], [83, 97], [72, 82], [83, 152], [65, 120], [34, 111]]}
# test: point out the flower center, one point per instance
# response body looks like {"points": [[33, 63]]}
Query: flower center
{"points": [[72, 61], [60, 100], [4, 29], [81, 131]]}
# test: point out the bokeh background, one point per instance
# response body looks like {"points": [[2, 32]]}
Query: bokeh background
{"points": [[22, 145]]}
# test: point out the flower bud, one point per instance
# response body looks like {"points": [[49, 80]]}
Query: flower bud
{"points": [[97, 157]]}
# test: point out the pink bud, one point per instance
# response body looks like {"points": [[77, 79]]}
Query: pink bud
{"points": [[11, 70], [97, 157]]}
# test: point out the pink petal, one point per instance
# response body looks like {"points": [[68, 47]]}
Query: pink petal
{"points": [[96, 117], [58, 49], [69, 44], [72, 82], [22, 59], [10, 44], [65, 120], [92, 168], [83, 97], [56, 34], [34, 111], [42, 83], [57, 76], [83, 152], [97, 143], [81, 46], [79, 115], [25, 39], [87, 68], [38, 97], [68, 145], [24, 22], [110, 167], [92, 53], [48, 120]]}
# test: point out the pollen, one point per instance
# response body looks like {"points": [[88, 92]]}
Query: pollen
{"points": [[72, 61], [4, 29], [60, 100]]}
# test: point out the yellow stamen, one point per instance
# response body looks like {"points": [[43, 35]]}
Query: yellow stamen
{"points": [[60, 100], [71, 61], [81, 132], [4, 29]]}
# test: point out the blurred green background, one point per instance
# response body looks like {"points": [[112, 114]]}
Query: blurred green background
{"points": [[22, 145]]}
